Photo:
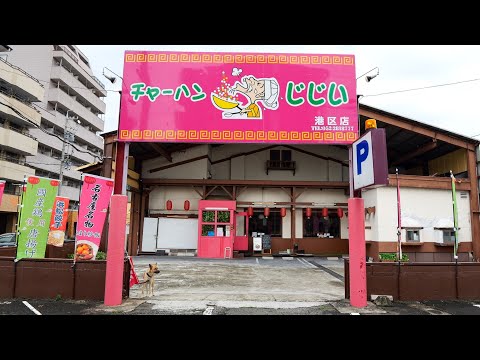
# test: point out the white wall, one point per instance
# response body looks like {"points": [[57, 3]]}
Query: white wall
{"points": [[193, 170], [427, 208], [252, 167], [160, 194]]}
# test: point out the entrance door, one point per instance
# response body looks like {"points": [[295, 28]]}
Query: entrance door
{"points": [[215, 223], [241, 231]]}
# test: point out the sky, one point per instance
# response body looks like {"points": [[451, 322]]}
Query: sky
{"points": [[400, 67]]}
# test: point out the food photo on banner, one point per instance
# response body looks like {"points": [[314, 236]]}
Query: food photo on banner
{"points": [[58, 222], [95, 197], [36, 208]]}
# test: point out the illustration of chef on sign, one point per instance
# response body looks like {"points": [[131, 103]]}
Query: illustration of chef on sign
{"points": [[261, 94]]}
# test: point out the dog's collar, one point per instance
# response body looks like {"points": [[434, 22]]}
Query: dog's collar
{"points": [[149, 275]]}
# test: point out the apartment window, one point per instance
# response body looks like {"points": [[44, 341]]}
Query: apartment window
{"points": [[413, 235], [280, 155], [319, 226], [270, 226]]}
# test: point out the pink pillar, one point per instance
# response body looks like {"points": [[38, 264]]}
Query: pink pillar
{"points": [[115, 250], [356, 251]]}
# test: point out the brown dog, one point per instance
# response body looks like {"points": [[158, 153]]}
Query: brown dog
{"points": [[149, 279]]}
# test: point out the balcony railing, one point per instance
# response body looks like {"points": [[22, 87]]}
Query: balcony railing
{"points": [[280, 165], [21, 70]]}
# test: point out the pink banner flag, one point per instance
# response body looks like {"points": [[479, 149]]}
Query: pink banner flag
{"points": [[2, 188], [94, 199]]}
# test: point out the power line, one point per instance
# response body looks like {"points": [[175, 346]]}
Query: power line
{"points": [[422, 88], [51, 134]]}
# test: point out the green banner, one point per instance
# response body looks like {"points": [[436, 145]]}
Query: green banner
{"points": [[35, 213]]}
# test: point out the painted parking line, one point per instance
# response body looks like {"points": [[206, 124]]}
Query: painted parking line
{"points": [[35, 311], [354, 313], [308, 263], [208, 310], [257, 261], [477, 305]]}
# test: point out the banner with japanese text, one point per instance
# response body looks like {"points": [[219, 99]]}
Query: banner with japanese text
{"points": [[58, 221], [35, 212], [94, 200], [238, 98], [2, 188]]}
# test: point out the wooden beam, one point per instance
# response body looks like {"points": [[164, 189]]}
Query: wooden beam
{"points": [[228, 192], [420, 151], [240, 191], [296, 195], [198, 192], [408, 125], [178, 163], [262, 183], [289, 193], [160, 150], [343, 163], [428, 182], [292, 218], [244, 154], [213, 189], [474, 203]]}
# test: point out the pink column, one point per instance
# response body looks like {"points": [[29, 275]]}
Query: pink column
{"points": [[115, 250], [357, 254]]}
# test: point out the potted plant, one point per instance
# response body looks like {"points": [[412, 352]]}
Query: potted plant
{"points": [[392, 257]]}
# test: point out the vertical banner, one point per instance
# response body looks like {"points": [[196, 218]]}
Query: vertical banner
{"points": [[36, 210], [58, 222], [455, 215], [2, 188], [94, 199]]}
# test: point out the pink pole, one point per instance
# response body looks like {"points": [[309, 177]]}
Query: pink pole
{"points": [[356, 251], [115, 250]]}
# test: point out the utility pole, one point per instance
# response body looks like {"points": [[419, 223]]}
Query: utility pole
{"points": [[67, 137]]}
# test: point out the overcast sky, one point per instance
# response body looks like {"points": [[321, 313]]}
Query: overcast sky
{"points": [[401, 67]]}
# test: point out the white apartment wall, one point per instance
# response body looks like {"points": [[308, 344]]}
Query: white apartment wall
{"points": [[308, 168], [427, 208], [193, 170], [34, 59]]}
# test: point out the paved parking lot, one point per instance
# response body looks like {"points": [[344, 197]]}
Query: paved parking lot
{"points": [[253, 286]]}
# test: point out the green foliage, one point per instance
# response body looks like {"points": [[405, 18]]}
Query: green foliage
{"points": [[101, 256], [223, 216], [58, 297], [392, 257], [208, 216], [69, 256]]}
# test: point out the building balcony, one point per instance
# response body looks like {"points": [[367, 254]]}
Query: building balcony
{"points": [[13, 171], [55, 118], [27, 110], [16, 142], [20, 81], [64, 54], [47, 163], [61, 74], [280, 165], [68, 101], [57, 144]]}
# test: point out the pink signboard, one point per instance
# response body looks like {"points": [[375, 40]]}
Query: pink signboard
{"points": [[94, 199], [238, 98]]}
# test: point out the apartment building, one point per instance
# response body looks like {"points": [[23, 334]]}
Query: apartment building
{"points": [[71, 108], [18, 90]]}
